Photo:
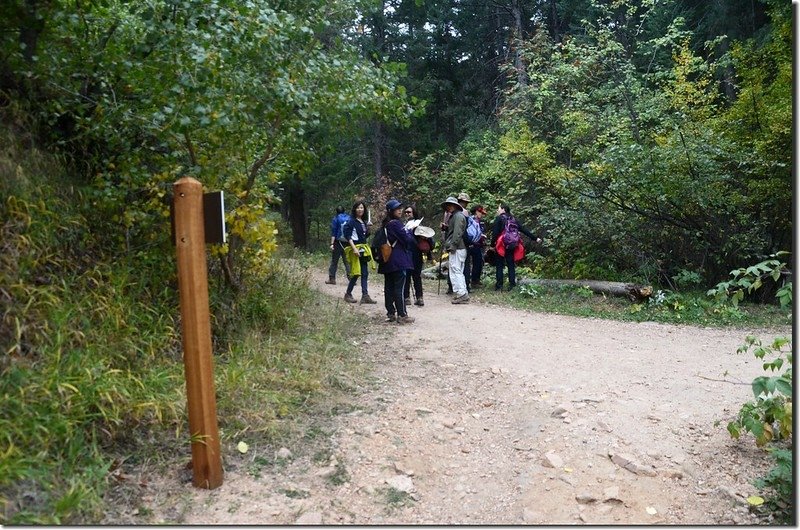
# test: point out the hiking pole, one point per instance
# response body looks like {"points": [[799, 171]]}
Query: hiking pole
{"points": [[441, 252]]}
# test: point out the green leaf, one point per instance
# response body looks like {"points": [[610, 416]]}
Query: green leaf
{"points": [[759, 386], [784, 386], [734, 430]]}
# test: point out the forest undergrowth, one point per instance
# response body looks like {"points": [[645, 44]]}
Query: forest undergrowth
{"points": [[92, 382]]}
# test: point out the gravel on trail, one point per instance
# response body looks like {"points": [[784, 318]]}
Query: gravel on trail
{"points": [[481, 414]]}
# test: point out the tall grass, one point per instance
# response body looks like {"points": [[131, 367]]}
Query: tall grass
{"points": [[91, 374]]}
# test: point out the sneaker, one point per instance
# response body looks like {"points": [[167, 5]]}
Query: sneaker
{"points": [[476, 285], [419, 302], [463, 299], [405, 320], [408, 301], [390, 318], [365, 299], [331, 281], [349, 298]]}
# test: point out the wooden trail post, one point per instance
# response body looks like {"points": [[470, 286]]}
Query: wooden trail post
{"points": [[196, 331]]}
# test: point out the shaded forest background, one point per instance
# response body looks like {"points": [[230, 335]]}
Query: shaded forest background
{"points": [[644, 140]]}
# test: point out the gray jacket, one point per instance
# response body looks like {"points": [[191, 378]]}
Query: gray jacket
{"points": [[454, 237]]}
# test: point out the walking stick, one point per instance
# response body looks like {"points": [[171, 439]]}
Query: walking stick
{"points": [[441, 252]]}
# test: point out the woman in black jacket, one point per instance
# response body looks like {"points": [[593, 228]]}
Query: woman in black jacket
{"points": [[423, 247], [498, 227]]}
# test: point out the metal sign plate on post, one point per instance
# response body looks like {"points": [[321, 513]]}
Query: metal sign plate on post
{"points": [[214, 217]]}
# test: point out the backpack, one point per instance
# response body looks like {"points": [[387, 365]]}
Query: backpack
{"points": [[341, 219], [380, 238], [511, 233], [473, 233], [423, 244]]}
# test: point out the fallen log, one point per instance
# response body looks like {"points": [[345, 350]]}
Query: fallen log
{"points": [[632, 291], [432, 273]]}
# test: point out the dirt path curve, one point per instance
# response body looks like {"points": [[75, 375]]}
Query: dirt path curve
{"points": [[486, 415]]}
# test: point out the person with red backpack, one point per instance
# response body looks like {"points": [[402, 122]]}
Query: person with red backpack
{"points": [[507, 240]]}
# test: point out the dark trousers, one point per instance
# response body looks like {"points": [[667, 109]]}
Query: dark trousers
{"points": [[468, 268], [508, 261], [364, 279], [336, 254], [476, 253], [393, 293], [415, 277]]}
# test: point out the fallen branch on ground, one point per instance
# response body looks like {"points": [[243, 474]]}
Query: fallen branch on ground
{"points": [[631, 290]]}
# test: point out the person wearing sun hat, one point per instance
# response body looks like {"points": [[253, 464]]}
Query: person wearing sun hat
{"points": [[456, 249], [394, 271]]}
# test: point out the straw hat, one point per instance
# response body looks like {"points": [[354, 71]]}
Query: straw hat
{"points": [[424, 231]]}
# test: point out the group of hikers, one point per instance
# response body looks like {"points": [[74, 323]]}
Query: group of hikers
{"points": [[401, 244]]}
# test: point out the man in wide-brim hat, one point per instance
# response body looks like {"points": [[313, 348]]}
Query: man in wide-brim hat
{"points": [[456, 248]]}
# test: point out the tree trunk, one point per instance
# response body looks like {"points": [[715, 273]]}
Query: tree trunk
{"points": [[516, 39], [378, 141], [632, 291], [296, 213], [31, 27], [555, 27]]}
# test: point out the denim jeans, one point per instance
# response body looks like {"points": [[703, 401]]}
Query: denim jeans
{"points": [[364, 279]]}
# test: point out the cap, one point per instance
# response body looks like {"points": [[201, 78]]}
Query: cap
{"points": [[480, 209], [393, 204]]}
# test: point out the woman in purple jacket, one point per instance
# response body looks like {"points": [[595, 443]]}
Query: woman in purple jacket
{"points": [[394, 271]]}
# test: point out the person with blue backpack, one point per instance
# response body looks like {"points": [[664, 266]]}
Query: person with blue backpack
{"points": [[506, 238], [477, 240], [337, 245]]}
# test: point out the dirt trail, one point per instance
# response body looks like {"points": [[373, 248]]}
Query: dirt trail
{"points": [[486, 415]]}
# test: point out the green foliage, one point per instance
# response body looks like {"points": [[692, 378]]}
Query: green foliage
{"points": [[770, 415], [747, 280], [239, 96], [91, 378], [687, 308], [780, 482], [769, 418]]}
